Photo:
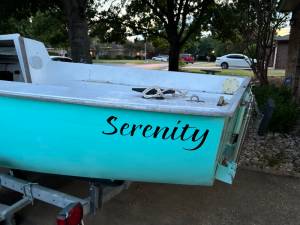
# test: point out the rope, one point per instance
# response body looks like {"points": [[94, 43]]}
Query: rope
{"points": [[159, 93]]}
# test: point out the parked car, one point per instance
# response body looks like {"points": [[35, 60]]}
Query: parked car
{"points": [[161, 58], [234, 61], [61, 58], [187, 58]]}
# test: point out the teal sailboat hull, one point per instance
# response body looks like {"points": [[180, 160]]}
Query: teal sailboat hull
{"points": [[69, 139], [86, 121]]}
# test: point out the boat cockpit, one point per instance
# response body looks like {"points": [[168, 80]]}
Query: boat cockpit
{"points": [[9, 62]]}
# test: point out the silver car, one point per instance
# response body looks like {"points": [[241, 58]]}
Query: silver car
{"points": [[161, 58]]}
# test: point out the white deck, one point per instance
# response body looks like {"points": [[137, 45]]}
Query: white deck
{"points": [[119, 96], [106, 86]]}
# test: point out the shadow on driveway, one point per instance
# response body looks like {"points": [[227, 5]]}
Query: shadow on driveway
{"points": [[254, 199]]}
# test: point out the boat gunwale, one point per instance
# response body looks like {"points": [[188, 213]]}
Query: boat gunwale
{"points": [[223, 111]]}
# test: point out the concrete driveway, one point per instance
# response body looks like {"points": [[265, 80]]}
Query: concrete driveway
{"points": [[152, 66], [254, 199], [164, 66]]}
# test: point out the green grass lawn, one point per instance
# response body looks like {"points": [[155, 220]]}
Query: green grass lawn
{"points": [[237, 72], [123, 61]]}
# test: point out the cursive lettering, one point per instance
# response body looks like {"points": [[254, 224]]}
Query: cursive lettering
{"points": [[178, 132]]}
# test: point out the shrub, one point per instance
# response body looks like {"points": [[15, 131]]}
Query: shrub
{"points": [[182, 63], [128, 57], [104, 57], [119, 57], [286, 111]]}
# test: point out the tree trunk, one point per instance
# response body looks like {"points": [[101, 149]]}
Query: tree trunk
{"points": [[75, 11], [293, 67], [262, 76], [263, 54], [262, 69], [174, 52]]}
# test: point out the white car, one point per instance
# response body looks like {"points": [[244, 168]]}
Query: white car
{"points": [[234, 61], [161, 58]]}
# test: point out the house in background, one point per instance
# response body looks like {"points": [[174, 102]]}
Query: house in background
{"points": [[279, 58], [293, 64]]}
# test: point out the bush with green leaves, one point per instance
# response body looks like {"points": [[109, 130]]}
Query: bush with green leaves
{"points": [[181, 63], [286, 112]]}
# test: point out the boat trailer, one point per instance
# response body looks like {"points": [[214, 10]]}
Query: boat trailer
{"points": [[74, 209]]}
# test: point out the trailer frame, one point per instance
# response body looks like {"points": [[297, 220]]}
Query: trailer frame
{"points": [[100, 191]]}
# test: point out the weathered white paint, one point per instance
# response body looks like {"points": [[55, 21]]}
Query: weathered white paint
{"points": [[108, 86]]}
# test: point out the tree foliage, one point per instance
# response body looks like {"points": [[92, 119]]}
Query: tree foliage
{"points": [[108, 26], [174, 20], [253, 24], [18, 15], [161, 45], [55, 34]]}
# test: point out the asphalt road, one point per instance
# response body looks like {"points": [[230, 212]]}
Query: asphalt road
{"points": [[254, 199]]}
